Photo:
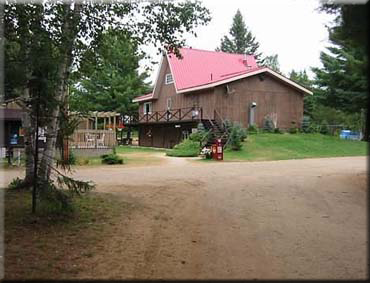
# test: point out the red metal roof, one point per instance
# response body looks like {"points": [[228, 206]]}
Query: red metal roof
{"points": [[143, 97], [202, 67]]}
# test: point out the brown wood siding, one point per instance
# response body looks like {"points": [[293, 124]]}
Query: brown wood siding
{"points": [[270, 94], [163, 135], [203, 98]]}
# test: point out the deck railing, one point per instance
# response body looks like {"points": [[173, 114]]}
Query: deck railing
{"points": [[93, 139], [172, 115]]}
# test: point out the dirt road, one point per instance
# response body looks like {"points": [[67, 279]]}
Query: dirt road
{"points": [[295, 219]]}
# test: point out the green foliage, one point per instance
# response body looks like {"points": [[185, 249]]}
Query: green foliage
{"points": [[272, 62], [71, 158], [252, 129], [82, 161], [237, 134], [277, 131], [56, 197], [324, 128], [324, 114], [268, 124], [266, 146], [187, 148], [309, 101], [109, 78], [201, 135], [342, 81], [241, 39], [111, 159], [44, 41], [15, 183], [306, 123], [293, 129]]}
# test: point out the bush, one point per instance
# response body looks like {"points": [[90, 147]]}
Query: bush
{"points": [[277, 131], [306, 122], [268, 125], [54, 200], [237, 135], [201, 135], [327, 115], [82, 161], [15, 183], [71, 158], [252, 129], [187, 148], [111, 159], [324, 128], [293, 129], [235, 142]]}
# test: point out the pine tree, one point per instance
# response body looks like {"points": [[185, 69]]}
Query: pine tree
{"points": [[109, 78], [342, 81], [309, 101], [272, 62], [241, 39]]}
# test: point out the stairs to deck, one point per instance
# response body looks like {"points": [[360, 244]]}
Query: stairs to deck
{"points": [[218, 132]]}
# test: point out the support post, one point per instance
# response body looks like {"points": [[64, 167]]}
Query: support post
{"points": [[36, 156]]}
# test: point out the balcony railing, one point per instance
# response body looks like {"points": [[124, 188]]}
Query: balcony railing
{"points": [[93, 139], [173, 115]]}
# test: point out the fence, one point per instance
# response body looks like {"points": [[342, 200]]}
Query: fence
{"points": [[93, 139]]}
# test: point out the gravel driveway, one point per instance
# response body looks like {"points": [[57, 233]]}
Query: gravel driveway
{"points": [[293, 219]]}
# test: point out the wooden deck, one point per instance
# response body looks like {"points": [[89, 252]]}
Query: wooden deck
{"points": [[93, 139], [165, 116]]}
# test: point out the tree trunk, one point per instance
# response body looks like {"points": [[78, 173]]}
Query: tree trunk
{"points": [[69, 35], [29, 130], [28, 147], [366, 118]]}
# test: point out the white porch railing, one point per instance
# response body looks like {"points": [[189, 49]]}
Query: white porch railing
{"points": [[93, 139]]}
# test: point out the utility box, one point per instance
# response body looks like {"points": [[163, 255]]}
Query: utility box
{"points": [[217, 150]]}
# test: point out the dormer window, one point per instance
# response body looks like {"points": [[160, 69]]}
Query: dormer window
{"points": [[169, 79]]}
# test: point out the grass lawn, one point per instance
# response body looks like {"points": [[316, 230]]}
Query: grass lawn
{"points": [[138, 149], [132, 155], [261, 147], [54, 247]]}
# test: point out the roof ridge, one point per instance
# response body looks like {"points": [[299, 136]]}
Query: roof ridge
{"points": [[214, 51]]}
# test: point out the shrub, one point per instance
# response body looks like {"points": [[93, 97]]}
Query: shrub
{"points": [[324, 128], [15, 183], [306, 124], [54, 200], [187, 148], [71, 158], [82, 161], [235, 142], [237, 135], [277, 131], [293, 129], [252, 129], [201, 135], [268, 124], [111, 159]]}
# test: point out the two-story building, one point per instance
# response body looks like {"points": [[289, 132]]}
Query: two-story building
{"points": [[214, 86]]}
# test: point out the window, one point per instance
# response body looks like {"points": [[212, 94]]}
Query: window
{"points": [[169, 103], [169, 79], [147, 108]]}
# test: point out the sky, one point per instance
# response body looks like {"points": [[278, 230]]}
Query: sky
{"points": [[293, 29]]}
